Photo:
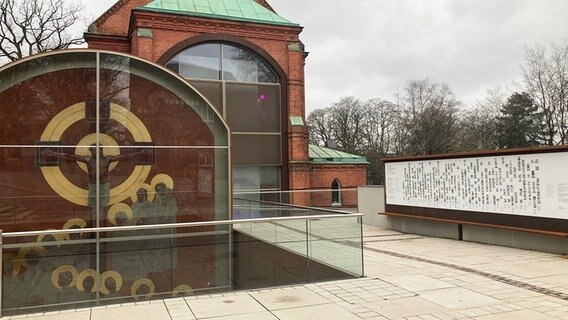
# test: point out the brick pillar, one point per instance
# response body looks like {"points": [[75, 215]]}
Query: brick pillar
{"points": [[298, 166], [143, 43]]}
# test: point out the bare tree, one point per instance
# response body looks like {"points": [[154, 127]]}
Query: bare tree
{"points": [[319, 126], [378, 127], [378, 133], [545, 78], [480, 125], [432, 117], [31, 26], [347, 120]]}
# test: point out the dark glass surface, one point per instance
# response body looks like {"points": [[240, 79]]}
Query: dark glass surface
{"points": [[255, 178], [256, 150], [253, 108], [213, 91], [335, 189]]}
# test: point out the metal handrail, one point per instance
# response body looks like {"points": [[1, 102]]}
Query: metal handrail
{"points": [[173, 225], [296, 206]]}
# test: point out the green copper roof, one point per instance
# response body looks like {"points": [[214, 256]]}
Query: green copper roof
{"points": [[326, 155], [238, 10]]}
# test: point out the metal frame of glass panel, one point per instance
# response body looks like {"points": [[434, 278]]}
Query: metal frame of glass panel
{"points": [[225, 82]]}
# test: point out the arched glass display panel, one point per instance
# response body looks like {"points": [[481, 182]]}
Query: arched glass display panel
{"points": [[95, 139]]}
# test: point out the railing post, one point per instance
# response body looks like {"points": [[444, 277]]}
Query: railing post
{"points": [[308, 247], [360, 221]]}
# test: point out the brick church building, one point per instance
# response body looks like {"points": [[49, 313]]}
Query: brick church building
{"points": [[248, 62]]}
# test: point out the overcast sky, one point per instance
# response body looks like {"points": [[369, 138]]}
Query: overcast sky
{"points": [[370, 48]]}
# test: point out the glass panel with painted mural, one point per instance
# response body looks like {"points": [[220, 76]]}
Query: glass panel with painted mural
{"points": [[147, 150]]}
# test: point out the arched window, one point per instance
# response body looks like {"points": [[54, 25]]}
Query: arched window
{"points": [[336, 192], [222, 61], [245, 90]]}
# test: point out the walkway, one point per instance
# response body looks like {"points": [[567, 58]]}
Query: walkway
{"points": [[408, 277]]}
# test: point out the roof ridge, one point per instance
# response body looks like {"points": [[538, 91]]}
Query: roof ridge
{"points": [[265, 4]]}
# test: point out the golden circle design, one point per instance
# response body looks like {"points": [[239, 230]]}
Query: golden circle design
{"points": [[57, 237], [65, 119], [162, 177], [182, 288], [150, 191], [115, 209], [108, 147], [117, 280], [61, 269], [13, 259], [23, 252], [75, 222], [140, 282], [84, 275]]}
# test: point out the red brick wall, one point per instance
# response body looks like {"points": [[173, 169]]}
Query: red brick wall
{"points": [[349, 176]]}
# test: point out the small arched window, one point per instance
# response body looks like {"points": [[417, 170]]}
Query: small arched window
{"points": [[336, 192]]}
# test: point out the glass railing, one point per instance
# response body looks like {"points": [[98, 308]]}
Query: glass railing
{"points": [[334, 242], [244, 208], [73, 268], [345, 199]]}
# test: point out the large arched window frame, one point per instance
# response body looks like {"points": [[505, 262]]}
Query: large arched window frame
{"points": [[246, 90]]}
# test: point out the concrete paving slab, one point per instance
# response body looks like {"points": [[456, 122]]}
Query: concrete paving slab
{"points": [[319, 312], [518, 315], [458, 298], [284, 299], [417, 282], [140, 312], [531, 270], [405, 307], [81, 315], [224, 306], [249, 316]]}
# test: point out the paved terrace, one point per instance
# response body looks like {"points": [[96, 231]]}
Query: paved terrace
{"points": [[408, 277]]}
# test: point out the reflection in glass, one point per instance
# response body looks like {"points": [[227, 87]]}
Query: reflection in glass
{"points": [[213, 91], [242, 65], [47, 274], [199, 62]]}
